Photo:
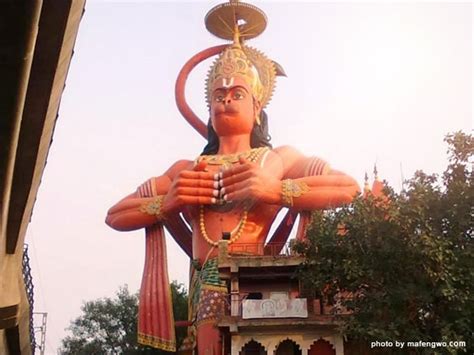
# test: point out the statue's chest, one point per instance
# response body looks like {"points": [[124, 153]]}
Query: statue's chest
{"points": [[222, 162]]}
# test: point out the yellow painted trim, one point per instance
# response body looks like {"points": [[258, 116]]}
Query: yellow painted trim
{"points": [[156, 342]]}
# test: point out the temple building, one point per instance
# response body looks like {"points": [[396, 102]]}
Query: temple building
{"points": [[269, 312]]}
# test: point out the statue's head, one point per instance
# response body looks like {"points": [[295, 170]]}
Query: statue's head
{"points": [[234, 108], [239, 85]]}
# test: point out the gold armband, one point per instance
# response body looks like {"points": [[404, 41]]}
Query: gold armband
{"points": [[154, 208], [290, 189]]}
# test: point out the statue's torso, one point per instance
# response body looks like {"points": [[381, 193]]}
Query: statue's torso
{"points": [[253, 236], [229, 218]]}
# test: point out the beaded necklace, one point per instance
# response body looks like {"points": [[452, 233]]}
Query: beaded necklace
{"points": [[252, 155]]}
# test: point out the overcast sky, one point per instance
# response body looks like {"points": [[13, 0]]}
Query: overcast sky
{"points": [[379, 82]]}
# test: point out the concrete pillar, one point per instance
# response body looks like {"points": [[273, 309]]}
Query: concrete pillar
{"points": [[234, 295], [339, 345], [234, 350]]}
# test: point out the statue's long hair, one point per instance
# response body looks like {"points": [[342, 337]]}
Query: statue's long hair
{"points": [[258, 138]]}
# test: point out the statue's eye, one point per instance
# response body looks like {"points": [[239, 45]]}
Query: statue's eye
{"points": [[238, 95], [219, 98]]}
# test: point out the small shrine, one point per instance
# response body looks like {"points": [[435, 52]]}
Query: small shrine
{"points": [[269, 311]]}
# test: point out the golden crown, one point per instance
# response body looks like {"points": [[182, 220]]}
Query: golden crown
{"points": [[253, 66], [237, 59]]}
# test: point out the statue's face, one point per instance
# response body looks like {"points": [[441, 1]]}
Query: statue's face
{"points": [[233, 108]]}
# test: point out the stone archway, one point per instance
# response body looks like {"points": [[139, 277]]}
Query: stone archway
{"points": [[253, 348], [288, 347], [321, 347]]}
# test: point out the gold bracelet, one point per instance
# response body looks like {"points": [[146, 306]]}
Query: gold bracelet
{"points": [[290, 189], [154, 208]]}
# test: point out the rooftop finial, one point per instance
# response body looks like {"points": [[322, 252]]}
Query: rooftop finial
{"points": [[376, 177], [366, 183]]}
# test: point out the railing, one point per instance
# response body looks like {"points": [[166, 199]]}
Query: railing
{"points": [[28, 280], [270, 249]]}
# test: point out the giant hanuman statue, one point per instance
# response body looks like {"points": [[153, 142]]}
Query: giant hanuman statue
{"points": [[237, 185]]}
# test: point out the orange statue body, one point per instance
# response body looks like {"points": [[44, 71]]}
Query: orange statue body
{"points": [[237, 186]]}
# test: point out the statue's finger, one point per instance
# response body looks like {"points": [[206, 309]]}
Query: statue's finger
{"points": [[238, 195], [192, 191], [243, 160], [197, 183], [236, 178], [235, 170], [234, 187], [198, 200], [201, 166], [190, 174]]}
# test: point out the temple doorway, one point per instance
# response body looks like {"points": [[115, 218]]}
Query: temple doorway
{"points": [[288, 347], [253, 348], [321, 347]]}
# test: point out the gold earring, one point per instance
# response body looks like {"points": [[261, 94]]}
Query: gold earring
{"points": [[257, 119]]}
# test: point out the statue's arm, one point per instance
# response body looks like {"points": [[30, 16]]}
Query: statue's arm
{"points": [[129, 213], [183, 184], [290, 179], [309, 183]]}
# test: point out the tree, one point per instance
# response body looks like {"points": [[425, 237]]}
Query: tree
{"points": [[405, 263], [109, 325]]}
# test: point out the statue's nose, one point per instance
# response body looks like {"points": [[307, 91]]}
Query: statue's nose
{"points": [[228, 100]]}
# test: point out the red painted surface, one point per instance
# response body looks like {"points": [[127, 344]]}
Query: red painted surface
{"points": [[321, 347], [183, 106]]}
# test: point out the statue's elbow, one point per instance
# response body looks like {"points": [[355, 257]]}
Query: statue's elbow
{"points": [[113, 222], [109, 220], [121, 222], [352, 187], [351, 193]]}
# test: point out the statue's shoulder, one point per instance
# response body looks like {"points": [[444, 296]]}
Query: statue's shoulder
{"points": [[286, 149], [179, 166], [288, 154], [287, 157], [296, 164]]}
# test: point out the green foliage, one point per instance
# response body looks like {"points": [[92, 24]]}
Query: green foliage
{"points": [[109, 325], [406, 264]]}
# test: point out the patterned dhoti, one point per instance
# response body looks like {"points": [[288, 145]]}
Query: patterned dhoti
{"points": [[208, 293], [207, 297]]}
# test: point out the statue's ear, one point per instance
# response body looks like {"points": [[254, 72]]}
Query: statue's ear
{"points": [[257, 106]]}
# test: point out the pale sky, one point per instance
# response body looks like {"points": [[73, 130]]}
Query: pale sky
{"points": [[367, 82]]}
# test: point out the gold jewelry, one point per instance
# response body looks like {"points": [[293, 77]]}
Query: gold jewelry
{"points": [[253, 66], [257, 118], [253, 155], [227, 160], [154, 208], [257, 153], [235, 234], [290, 189]]}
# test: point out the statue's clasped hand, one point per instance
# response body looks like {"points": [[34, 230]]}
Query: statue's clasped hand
{"points": [[192, 187], [248, 182]]}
